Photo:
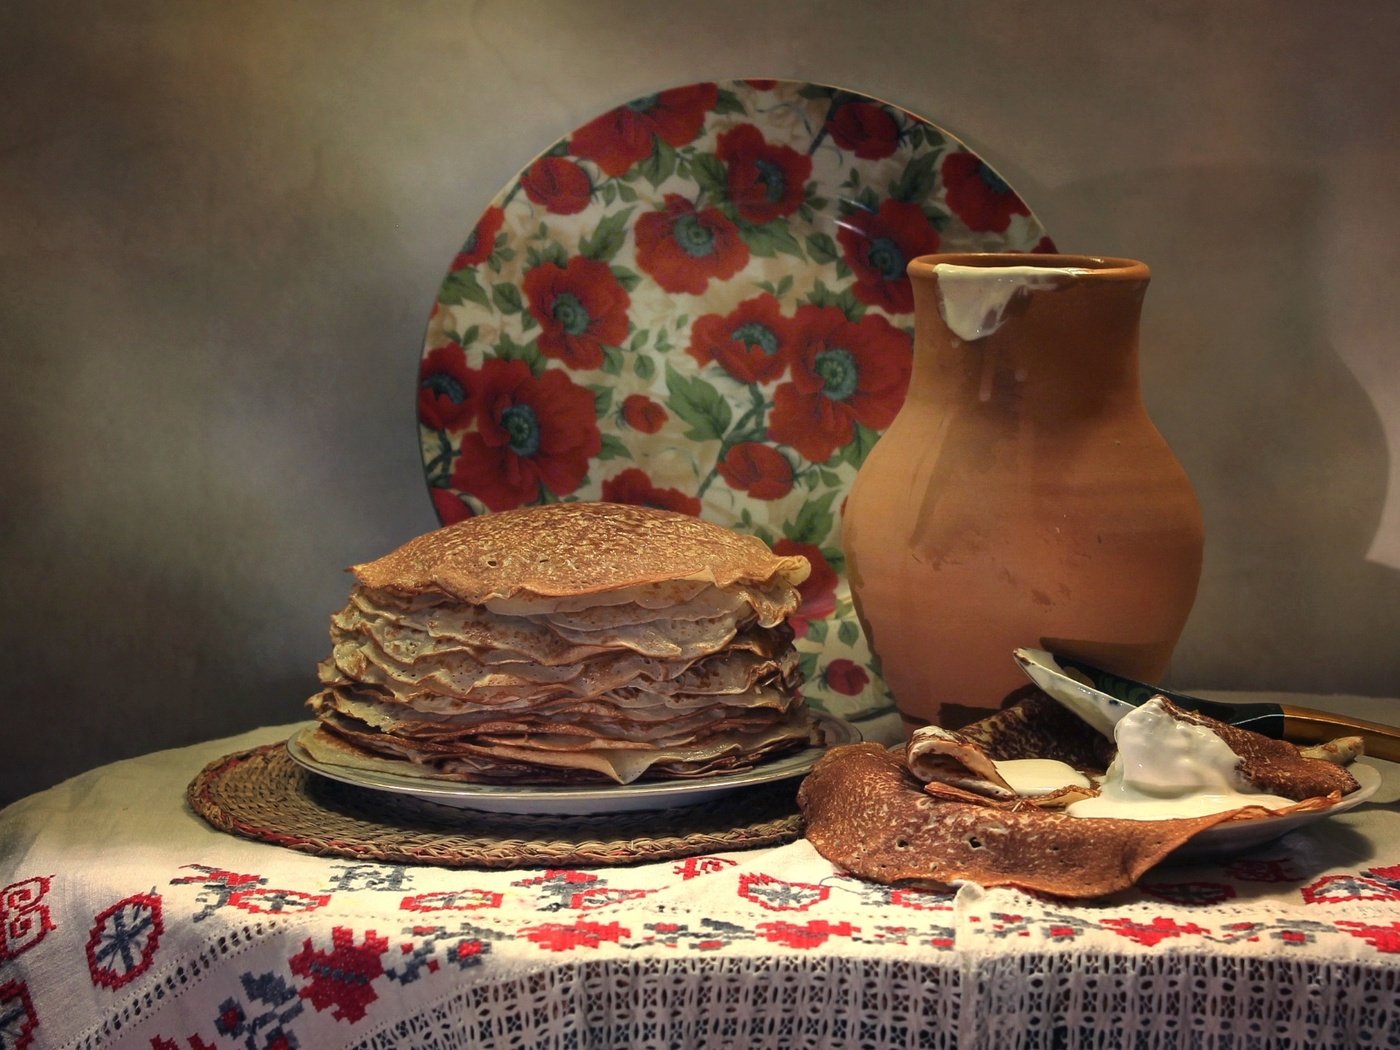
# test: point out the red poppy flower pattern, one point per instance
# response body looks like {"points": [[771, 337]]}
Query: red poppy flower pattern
{"points": [[757, 469], [879, 245], [558, 184], [623, 136], [635, 487], [765, 181], [482, 240], [535, 437], [977, 194], [843, 372], [444, 389], [643, 413], [449, 506], [683, 248], [846, 677], [698, 301], [867, 129], [751, 343], [581, 308]]}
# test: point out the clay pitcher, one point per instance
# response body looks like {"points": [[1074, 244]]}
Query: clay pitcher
{"points": [[1022, 496]]}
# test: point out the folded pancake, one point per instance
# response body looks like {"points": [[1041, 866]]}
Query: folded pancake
{"points": [[569, 642], [1040, 728], [865, 812], [942, 809]]}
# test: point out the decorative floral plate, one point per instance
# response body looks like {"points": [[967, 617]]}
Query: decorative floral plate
{"points": [[698, 301]]}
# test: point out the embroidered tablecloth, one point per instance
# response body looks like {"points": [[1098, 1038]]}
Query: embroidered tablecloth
{"points": [[127, 921]]}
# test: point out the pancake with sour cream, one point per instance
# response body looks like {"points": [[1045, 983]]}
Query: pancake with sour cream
{"points": [[1034, 798], [572, 642]]}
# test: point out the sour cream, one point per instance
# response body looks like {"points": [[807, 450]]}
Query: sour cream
{"points": [[1166, 769], [973, 299], [1031, 777]]}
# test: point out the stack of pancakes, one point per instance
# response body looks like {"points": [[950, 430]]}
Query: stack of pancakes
{"points": [[568, 642]]}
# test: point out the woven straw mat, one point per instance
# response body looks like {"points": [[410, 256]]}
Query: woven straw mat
{"points": [[263, 794]]}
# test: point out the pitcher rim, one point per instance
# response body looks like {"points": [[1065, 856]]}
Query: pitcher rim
{"points": [[1098, 267]]}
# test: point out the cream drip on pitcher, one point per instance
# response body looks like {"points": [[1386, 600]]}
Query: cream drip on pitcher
{"points": [[973, 299]]}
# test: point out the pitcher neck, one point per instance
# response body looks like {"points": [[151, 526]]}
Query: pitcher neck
{"points": [[1011, 330]]}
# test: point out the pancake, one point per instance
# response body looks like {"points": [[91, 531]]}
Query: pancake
{"points": [[939, 811], [580, 550], [865, 812], [569, 642]]}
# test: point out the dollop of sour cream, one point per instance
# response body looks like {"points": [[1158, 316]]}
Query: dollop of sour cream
{"points": [[1167, 769], [973, 299], [1031, 777]]}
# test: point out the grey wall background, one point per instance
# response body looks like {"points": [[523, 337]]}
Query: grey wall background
{"points": [[222, 227]]}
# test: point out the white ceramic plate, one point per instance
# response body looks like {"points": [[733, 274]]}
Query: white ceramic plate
{"points": [[1240, 835], [547, 800], [698, 301]]}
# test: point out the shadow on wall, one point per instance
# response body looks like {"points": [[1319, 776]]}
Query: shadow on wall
{"points": [[1283, 444], [211, 406]]}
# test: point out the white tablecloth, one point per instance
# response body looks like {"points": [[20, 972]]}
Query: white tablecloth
{"points": [[129, 922]]}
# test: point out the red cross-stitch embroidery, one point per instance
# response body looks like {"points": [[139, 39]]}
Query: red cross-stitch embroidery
{"points": [[1262, 870], [217, 886], [341, 978], [561, 937], [17, 1017], [192, 1042], [776, 894], [922, 900], [692, 867], [578, 890], [268, 901], [1159, 929], [1373, 884], [452, 900], [810, 935], [24, 917], [1382, 938], [124, 939]]}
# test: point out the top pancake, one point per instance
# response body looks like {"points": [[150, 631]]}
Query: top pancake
{"points": [[564, 550]]}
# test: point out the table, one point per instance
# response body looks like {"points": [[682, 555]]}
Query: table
{"points": [[128, 921]]}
